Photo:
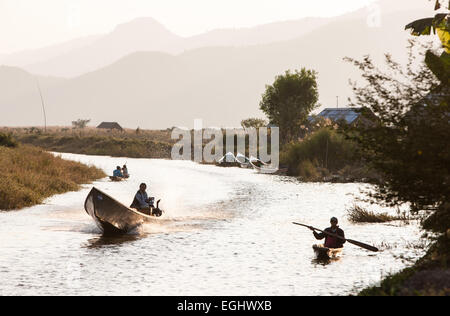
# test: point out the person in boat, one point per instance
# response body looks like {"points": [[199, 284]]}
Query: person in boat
{"points": [[125, 172], [141, 200], [118, 173], [330, 241]]}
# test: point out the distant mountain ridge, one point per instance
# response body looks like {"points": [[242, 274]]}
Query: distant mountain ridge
{"points": [[146, 34], [221, 85], [27, 57], [88, 54]]}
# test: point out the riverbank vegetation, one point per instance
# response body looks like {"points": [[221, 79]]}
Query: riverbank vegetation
{"points": [[7, 140], [289, 100], [401, 147], [30, 175], [326, 155], [409, 147], [429, 276], [90, 141], [314, 149], [358, 214]]}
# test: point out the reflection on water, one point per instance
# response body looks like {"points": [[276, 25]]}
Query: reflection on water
{"points": [[117, 241], [324, 262], [225, 232]]}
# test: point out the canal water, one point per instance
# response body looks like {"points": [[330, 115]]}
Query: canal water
{"points": [[225, 231]]}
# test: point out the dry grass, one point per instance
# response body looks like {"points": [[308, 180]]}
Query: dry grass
{"points": [[7, 140], [92, 141], [31, 175], [357, 214]]}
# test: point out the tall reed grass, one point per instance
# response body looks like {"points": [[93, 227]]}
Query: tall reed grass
{"points": [[357, 214], [30, 175], [321, 153], [7, 140]]}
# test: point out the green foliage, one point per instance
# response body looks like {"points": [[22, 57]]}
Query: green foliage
{"points": [[428, 277], [326, 147], [30, 175], [410, 145], [322, 152], [308, 170], [439, 220], [440, 66], [6, 140], [80, 124], [390, 286], [440, 24], [427, 25], [357, 214], [127, 145], [288, 102], [253, 123]]}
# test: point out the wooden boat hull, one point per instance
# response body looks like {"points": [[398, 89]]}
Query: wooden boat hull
{"points": [[229, 164], [112, 217], [324, 253], [269, 170]]}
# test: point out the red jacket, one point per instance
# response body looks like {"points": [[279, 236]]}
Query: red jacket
{"points": [[330, 241]]}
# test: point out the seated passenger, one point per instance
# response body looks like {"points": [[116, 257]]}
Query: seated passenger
{"points": [[118, 173], [141, 200], [330, 240], [125, 172]]}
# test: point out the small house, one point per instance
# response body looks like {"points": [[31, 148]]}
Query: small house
{"points": [[351, 116], [110, 126]]}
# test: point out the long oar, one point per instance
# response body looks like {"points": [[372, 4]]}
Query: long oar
{"points": [[354, 242]]}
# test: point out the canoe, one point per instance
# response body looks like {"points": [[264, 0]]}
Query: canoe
{"points": [[112, 217], [266, 169], [228, 164], [324, 253]]}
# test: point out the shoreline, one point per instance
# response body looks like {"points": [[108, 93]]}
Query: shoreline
{"points": [[359, 292], [33, 175], [429, 276], [157, 144]]}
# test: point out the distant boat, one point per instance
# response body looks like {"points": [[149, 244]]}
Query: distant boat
{"points": [[264, 168], [229, 160], [112, 217], [117, 179], [261, 167], [243, 161]]}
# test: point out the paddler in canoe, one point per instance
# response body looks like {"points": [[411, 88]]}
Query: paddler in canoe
{"points": [[331, 241], [117, 174], [125, 173], [143, 203], [334, 240], [333, 246]]}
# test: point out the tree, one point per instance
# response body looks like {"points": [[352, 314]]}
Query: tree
{"points": [[253, 123], [288, 102], [7, 140], [440, 25], [409, 145], [80, 124]]}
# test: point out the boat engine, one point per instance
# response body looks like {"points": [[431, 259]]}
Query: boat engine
{"points": [[157, 211]]}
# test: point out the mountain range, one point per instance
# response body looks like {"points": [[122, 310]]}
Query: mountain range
{"points": [[143, 75]]}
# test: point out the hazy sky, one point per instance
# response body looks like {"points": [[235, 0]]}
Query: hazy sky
{"points": [[28, 24]]}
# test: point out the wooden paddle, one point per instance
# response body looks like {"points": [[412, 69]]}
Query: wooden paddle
{"points": [[354, 242]]}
